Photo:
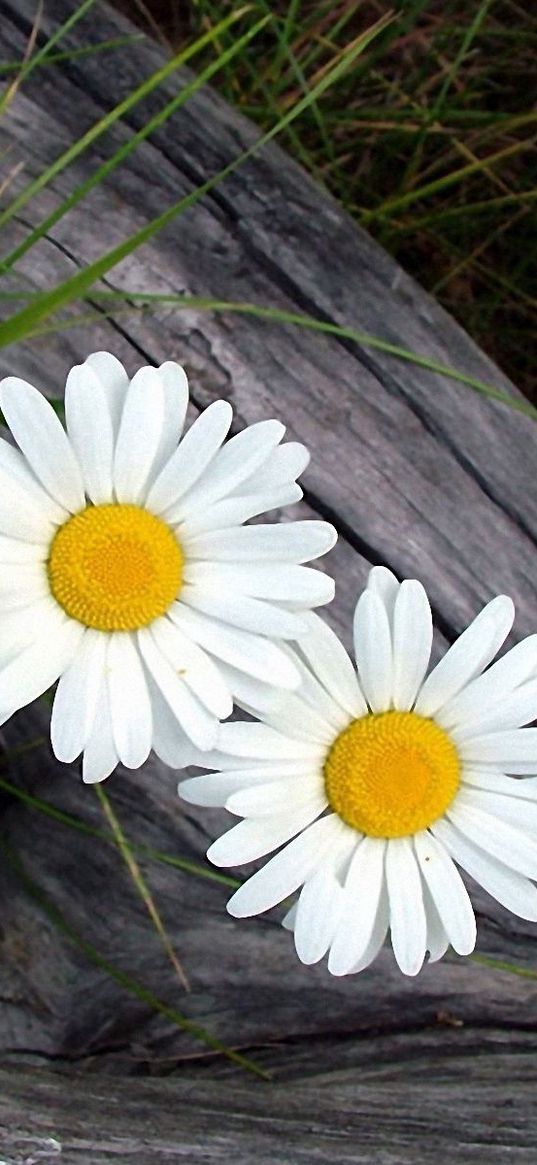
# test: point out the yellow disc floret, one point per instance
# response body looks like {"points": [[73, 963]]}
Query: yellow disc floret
{"points": [[391, 774], [115, 567]]}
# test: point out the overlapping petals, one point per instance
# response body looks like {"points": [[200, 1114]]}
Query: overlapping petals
{"points": [[354, 889], [166, 685]]}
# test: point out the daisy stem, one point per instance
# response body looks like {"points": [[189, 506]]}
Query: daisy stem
{"points": [[131, 985], [140, 883]]}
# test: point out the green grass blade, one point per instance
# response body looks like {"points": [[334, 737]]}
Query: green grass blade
{"points": [[393, 205], [118, 42], [435, 112], [49, 810], [140, 300], [34, 60], [303, 321], [138, 990], [78, 285], [503, 965], [106, 122], [468, 210]]}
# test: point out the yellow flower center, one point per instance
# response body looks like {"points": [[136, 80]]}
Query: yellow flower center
{"points": [[390, 774], [115, 567]]}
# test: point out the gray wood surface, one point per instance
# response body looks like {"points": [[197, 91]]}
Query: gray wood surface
{"points": [[416, 472]]}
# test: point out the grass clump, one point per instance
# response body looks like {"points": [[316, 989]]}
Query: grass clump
{"points": [[428, 140]]}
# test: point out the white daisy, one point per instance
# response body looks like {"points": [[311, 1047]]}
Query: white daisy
{"points": [[127, 573], [385, 779]]}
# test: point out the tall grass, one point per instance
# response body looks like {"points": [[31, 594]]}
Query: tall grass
{"points": [[429, 140]]}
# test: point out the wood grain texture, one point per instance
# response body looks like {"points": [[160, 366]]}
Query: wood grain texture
{"points": [[416, 472]]}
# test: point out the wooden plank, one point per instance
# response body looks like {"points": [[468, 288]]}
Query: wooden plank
{"points": [[373, 1118], [416, 472], [432, 481]]}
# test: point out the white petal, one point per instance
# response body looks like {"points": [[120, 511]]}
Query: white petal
{"points": [[295, 542], [468, 656], [516, 709], [499, 783], [139, 436], [258, 740], [519, 812], [27, 594], [199, 724], [407, 913], [169, 741], [14, 466], [42, 438], [236, 510], [22, 515], [215, 789], [242, 611], [289, 919], [248, 653], [285, 872], [317, 697], [384, 584], [512, 890], [505, 843], [299, 584], [247, 690], [114, 381], [489, 690], [361, 897], [437, 939], [175, 385], [39, 665], [240, 457], [373, 647], [331, 664], [448, 892], [318, 911], [273, 797], [15, 552], [412, 642], [89, 426], [291, 716], [514, 752], [21, 628], [190, 460], [194, 667], [255, 837], [75, 701], [283, 465], [100, 756], [130, 706], [22, 583], [378, 936]]}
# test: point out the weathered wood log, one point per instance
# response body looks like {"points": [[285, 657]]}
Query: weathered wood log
{"points": [[415, 471]]}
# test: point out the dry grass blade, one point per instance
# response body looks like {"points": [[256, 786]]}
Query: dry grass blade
{"points": [[134, 988], [140, 884], [15, 83]]}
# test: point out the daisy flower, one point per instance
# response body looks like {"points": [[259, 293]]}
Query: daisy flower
{"points": [[384, 779], [126, 571]]}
